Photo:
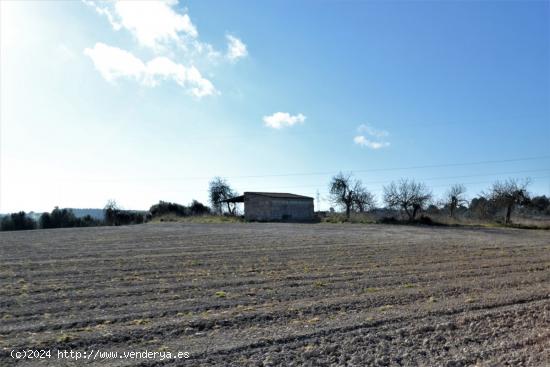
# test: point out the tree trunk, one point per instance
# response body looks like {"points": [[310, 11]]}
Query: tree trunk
{"points": [[508, 214], [229, 208], [349, 203], [454, 205], [408, 213], [415, 210]]}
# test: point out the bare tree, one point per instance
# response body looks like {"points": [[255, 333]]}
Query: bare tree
{"points": [[219, 190], [111, 210], [508, 194], [362, 199], [341, 192], [350, 194], [407, 195], [455, 197]]}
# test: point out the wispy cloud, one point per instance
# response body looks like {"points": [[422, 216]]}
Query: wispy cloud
{"points": [[113, 63], [363, 141], [368, 129], [283, 119], [154, 23], [236, 49], [371, 137], [167, 32]]}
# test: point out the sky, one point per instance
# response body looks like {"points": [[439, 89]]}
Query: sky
{"points": [[147, 101]]}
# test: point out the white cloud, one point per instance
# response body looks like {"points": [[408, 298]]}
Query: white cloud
{"points": [[163, 28], [154, 23], [282, 119], [113, 63], [363, 141], [376, 140], [236, 49], [104, 11], [158, 25], [372, 131]]}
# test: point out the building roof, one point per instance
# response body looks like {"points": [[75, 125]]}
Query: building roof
{"points": [[276, 195]]}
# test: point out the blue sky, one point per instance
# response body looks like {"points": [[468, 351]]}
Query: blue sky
{"points": [[144, 102]]}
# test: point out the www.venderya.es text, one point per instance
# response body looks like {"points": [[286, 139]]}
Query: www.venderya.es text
{"points": [[96, 354]]}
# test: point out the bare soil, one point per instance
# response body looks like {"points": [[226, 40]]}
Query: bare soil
{"points": [[262, 294]]}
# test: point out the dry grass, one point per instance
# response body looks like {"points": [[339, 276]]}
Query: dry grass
{"points": [[197, 219], [445, 220]]}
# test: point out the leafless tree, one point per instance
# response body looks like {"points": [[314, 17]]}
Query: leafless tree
{"points": [[219, 190], [341, 192], [508, 194], [111, 210], [350, 193], [455, 197], [362, 199], [408, 195]]}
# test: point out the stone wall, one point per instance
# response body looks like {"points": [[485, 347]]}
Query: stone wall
{"points": [[263, 208]]}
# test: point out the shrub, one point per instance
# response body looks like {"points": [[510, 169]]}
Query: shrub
{"points": [[164, 207], [17, 222], [125, 217], [58, 218], [426, 220], [114, 216], [88, 221], [540, 204], [198, 208], [65, 218], [389, 220]]}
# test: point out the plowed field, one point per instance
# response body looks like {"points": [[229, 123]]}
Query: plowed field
{"points": [[277, 295]]}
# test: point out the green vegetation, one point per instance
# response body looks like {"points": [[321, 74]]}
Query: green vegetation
{"points": [[63, 218], [406, 202], [17, 221], [114, 216]]}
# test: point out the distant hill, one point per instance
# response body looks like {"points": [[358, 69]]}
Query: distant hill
{"points": [[79, 213], [32, 215], [94, 213]]}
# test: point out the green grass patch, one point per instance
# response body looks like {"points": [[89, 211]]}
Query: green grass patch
{"points": [[220, 294]]}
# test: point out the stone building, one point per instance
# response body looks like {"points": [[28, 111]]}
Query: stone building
{"points": [[275, 206]]}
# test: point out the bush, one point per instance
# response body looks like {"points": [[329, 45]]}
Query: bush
{"points": [[422, 220], [123, 217], [198, 208], [65, 218], [540, 204], [482, 208], [426, 220], [58, 218], [114, 216], [164, 207], [88, 221], [389, 220], [17, 222]]}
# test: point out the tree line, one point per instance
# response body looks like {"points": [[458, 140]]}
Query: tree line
{"points": [[113, 215], [411, 198], [408, 197]]}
